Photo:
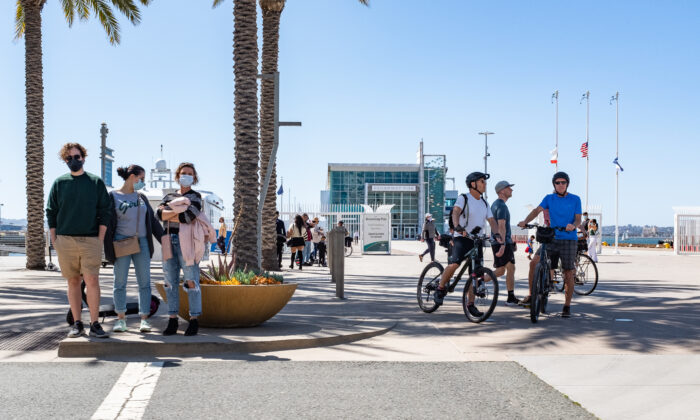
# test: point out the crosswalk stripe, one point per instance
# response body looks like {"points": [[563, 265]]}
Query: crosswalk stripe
{"points": [[129, 397]]}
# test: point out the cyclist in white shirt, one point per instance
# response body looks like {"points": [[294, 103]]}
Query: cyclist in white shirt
{"points": [[470, 210]]}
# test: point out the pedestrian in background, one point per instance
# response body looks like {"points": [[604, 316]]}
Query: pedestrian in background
{"points": [[356, 237], [221, 239], [297, 234], [281, 238], [132, 220], [530, 247], [308, 239], [593, 240], [428, 236], [78, 212]]}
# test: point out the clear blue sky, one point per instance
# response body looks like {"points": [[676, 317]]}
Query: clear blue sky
{"points": [[369, 83]]}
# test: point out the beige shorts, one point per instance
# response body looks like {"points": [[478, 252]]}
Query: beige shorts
{"points": [[78, 255]]}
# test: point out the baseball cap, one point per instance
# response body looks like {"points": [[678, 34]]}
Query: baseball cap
{"points": [[501, 185]]}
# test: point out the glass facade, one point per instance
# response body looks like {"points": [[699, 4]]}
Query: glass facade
{"points": [[348, 184]]}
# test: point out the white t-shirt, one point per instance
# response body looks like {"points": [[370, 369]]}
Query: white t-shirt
{"points": [[478, 213]]}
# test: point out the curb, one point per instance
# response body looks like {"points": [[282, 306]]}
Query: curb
{"points": [[111, 348]]}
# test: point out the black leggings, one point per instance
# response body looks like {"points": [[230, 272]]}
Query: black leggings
{"points": [[431, 249]]}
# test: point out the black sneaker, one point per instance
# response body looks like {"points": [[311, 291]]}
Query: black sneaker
{"points": [[439, 296], [512, 301], [76, 330], [566, 312], [193, 327], [171, 329], [474, 312], [97, 331]]}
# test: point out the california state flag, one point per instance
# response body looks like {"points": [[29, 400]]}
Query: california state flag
{"points": [[554, 154]]}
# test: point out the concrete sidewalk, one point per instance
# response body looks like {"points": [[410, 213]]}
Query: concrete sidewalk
{"points": [[635, 338]]}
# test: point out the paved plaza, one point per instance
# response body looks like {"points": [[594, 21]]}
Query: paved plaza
{"points": [[630, 349]]}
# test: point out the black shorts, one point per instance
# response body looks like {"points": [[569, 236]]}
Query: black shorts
{"points": [[460, 249], [507, 257], [295, 242], [564, 249]]}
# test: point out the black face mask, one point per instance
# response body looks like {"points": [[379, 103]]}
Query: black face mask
{"points": [[75, 165]]}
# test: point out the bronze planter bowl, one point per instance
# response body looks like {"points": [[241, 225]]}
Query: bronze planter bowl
{"points": [[230, 306]]}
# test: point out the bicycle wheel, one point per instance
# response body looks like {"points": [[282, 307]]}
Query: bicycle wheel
{"points": [[485, 294], [427, 284], [348, 251], [535, 298], [586, 278]]}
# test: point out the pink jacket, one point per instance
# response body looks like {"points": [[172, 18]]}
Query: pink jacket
{"points": [[194, 238], [179, 205]]}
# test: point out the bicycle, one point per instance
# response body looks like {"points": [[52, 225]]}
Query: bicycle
{"points": [[486, 290], [348, 251], [542, 283], [585, 277]]}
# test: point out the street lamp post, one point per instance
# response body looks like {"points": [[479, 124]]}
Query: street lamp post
{"points": [[268, 174], [616, 98], [486, 135]]}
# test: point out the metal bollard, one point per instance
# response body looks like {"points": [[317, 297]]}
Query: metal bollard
{"points": [[336, 260]]}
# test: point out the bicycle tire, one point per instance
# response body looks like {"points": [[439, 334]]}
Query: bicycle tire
{"points": [[489, 299], [348, 251], [535, 295], [559, 276], [587, 277], [427, 284]]}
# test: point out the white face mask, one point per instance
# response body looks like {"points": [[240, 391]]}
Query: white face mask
{"points": [[186, 180]]}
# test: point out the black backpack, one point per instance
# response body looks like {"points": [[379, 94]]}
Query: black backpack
{"points": [[466, 208]]}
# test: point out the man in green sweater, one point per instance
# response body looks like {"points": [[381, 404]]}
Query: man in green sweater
{"points": [[78, 212]]}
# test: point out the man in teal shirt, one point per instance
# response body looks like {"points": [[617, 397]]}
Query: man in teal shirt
{"points": [[78, 211]]}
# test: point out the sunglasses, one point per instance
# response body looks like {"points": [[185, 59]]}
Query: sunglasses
{"points": [[560, 182], [74, 157]]}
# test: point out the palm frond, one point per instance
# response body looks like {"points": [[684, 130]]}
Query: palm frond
{"points": [[19, 21], [83, 9], [365, 2], [129, 9], [107, 19], [68, 11], [216, 3]]}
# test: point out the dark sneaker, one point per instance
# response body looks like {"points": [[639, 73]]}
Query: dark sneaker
{"points": [[97, 331], [512, 301], [171, 329], [525, 302], [420, 257], [439, 296], [76, 330], [193, 327], [474, 312], [566, 312]]}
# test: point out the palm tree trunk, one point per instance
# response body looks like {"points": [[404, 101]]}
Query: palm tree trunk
{"points": [[34, 88], [270, 52], [245, 115]]}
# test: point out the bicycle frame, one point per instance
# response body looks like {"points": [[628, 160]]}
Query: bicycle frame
{"points": [[471, 261]]}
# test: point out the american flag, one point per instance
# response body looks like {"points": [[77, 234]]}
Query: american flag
{"points": [[584, 149]]}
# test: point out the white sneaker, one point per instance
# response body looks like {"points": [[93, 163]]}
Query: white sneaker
{"points": [[119, 326], [145, 326]]}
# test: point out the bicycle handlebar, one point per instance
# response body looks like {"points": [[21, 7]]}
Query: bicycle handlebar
{"points": [[533, 226]]}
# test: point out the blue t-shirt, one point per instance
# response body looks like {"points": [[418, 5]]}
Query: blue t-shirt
{"points": [[562, 211], [500, 212]]}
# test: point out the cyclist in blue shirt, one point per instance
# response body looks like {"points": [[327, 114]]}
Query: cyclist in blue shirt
{"points": [[564, 211]]}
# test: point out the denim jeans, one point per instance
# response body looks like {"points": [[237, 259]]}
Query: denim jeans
{"points": [[171, 268], [142, 268], [306, 253]]}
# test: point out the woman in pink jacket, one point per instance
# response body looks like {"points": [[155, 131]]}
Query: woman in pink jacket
{"points": [[187, 205]]}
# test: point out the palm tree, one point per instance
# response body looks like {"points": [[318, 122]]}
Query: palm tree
{"points": [[271, 12], [28, 24], [245, 116]]}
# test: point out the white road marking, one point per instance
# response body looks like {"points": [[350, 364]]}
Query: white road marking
{"points": [[129, 397]]}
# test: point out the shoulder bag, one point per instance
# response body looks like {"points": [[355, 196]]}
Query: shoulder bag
{"points": [[130, 245]]}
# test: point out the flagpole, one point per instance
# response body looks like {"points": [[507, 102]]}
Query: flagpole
{"points": [[556, 132], [617, 169], [588, 146]]}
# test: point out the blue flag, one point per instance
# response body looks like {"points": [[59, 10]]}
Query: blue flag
{"points": [[618, 165], [281, 190]]}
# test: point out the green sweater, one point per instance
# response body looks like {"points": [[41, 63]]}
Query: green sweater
{"points": [[78, 205]]}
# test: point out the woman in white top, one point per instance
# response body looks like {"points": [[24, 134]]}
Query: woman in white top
{"points": [[297, 234]]}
